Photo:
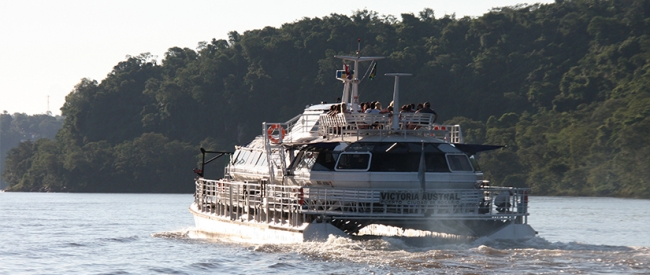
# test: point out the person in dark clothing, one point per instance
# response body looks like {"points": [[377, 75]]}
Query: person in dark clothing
{"points": [[426, 108]]}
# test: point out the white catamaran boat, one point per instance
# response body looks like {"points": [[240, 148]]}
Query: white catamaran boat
{"points": [[354, 174]]}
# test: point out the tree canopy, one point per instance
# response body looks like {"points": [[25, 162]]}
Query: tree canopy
{"points": [[20, 128], [564, 86]]}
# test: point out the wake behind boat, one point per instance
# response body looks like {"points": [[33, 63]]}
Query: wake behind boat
{"points": [[334, 170]]}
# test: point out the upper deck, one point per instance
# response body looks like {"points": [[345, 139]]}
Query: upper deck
{"points": [[314, 126], [361, 124]]}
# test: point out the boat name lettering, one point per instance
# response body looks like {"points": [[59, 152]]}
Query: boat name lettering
{"points": [[419, 198]]}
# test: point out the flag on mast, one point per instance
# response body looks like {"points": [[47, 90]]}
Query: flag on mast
{"points": [[347, 72], [373, 72]]}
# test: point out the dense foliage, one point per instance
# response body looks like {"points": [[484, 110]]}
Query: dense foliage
{"points": [[564, 86], [21, 127]]}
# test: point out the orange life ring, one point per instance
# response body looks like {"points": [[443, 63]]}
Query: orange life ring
{"points": [[272, 129]]}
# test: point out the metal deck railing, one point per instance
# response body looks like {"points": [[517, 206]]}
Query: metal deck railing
{"points": [[360, 125], [264, 202]]}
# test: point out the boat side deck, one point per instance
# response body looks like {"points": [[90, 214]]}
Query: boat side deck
{"points": [[294, 204]]}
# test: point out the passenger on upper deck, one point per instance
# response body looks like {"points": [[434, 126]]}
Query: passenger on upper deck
{"points": [[374, 109], [405, 109], [343, 108], [364, 107], [388, 110], [426, 109], [370, 106], [333, 110]]}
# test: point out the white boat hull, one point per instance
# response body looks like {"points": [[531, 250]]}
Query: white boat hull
{"points": [[218, 227], [212, 226]]}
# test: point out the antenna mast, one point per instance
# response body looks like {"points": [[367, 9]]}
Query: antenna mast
{"points": [[352, 78], [396, 105], [48, 106]]}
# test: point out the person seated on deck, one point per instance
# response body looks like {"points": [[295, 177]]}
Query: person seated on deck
{"points": [[373, 108], [426, 109], [363, 110], [502, 201], [343, 108], [377, 109], [406, 109], [333, 110], [388, 110], [364, 107], [418, 107]]}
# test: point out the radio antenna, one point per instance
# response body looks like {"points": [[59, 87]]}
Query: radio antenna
{"points": [[48, 106], [358, 47]]}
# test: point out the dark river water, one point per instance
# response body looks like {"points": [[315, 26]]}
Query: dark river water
{"points": [[59, 233]]}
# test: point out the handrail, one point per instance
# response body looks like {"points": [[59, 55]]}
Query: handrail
{"points": [[201, 171], [377, 204], [359, 124]]}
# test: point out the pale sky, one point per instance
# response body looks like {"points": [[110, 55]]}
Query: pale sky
{"points": [[47, 47]]}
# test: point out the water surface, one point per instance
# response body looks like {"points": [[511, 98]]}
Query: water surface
{"points": [[59, 233]]}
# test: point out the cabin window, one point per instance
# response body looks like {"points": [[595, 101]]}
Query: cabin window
{"points": [[365, 146], [403, 156], [474, 162], [243, 156], [395, 157], [235, 156], [253, 158], [308, 160], [262, 160], [326, 161], [353, 162], [436, 162], [317, 157], [459, 162], [315, 127]]}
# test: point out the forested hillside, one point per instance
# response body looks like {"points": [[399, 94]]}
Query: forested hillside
{"points": [[565, 86], [21, 127]]}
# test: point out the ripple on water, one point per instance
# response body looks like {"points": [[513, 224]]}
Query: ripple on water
{"points": [[121, 239], [167, 271], [281, 266], [119, 272], [205, 266]]}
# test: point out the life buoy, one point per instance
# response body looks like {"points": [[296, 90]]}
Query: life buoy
{"points": [[272, 129]]}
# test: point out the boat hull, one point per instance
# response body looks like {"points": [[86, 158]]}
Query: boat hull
{"points": [[212, 226]]}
